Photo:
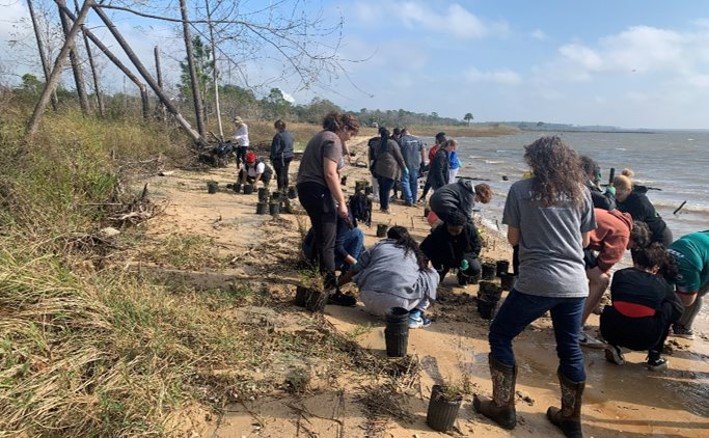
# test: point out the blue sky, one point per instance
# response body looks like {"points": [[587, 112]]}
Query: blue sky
{"points": [[631, 64]]}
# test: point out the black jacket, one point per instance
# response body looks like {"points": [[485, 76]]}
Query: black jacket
{"points": [[282, 146], [601, 199], [438, 174], [641, 209], [442, 248], [457, 196], [638, 287]]}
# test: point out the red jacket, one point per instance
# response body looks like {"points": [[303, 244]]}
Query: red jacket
{"points": [[432, 152], [610, 237]]}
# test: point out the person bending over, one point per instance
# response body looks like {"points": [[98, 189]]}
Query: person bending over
{"points": [[255, 170], [549, 216], [615, 233], [454, 245], [643, 307], [395, 273], [641, 209], [601, 199], [459, 196], [691, 253]]}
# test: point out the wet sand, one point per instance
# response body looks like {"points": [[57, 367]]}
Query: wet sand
{"points": [[619, 401]]}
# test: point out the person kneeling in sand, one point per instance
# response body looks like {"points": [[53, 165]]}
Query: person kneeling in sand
{"points": [[454, 245], [395, 273], [643, 307], [615, 233], [255, 170], [459, 196]]}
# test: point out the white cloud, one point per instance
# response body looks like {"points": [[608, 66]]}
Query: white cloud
{"points": [[502, 76], [538, 34], [454, 19], [582, 55]]}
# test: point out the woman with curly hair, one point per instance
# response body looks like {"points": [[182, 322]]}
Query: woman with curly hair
{"points": [[549, 216]]}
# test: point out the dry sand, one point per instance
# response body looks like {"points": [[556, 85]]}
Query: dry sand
{"points": [[622, 401]]}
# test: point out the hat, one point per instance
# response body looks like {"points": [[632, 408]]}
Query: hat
{"points": [[250, 157], [238, 120]]}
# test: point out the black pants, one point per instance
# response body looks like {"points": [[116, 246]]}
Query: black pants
{"points": [[281, 168], [241, 155], [317, 201], [473, 270], [648, 333]]}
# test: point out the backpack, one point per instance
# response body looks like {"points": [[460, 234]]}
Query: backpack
{"points": [[360, 207]]}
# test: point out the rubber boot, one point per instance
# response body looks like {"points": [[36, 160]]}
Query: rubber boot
{"points": [[501, 409], [568, 418]]}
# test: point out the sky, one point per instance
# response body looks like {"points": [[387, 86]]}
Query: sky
{"points": [[631, 64]]}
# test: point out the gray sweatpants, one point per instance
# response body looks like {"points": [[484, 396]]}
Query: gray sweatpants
{"points": [[378, 303]]}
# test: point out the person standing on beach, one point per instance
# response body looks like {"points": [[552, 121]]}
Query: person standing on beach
{"points": [[241, 138], [281, 153], [389, 166], [414, 153], [438, 173], [550, 216], [320, 193], [438, 143], [454, 166], [691, 253]]}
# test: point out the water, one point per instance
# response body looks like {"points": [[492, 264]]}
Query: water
{"points": [[677, 163]]}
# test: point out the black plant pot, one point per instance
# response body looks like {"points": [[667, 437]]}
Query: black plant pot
{"points": [[302, 294], [442, 412], [263, 194], [274, 208], [502, 267], [485, 308], [292, 193], [368, 190], [248, 189], [212, 187], [237, 187], [261, 208], [488, 271], [382, 230], [396, 332], [316, 301], [489, 291], [507, 281], [360, 186], [276, 196]]}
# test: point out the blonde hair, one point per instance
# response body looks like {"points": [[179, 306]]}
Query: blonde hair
{"points": [[628, 172], [622, 182]]}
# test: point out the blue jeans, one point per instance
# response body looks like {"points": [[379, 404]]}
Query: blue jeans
{"points": [[353, 244], [385, 186], [409, 185], [519, 310]]}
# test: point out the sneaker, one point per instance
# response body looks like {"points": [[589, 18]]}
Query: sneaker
{"points": [[418, 320], [340, 299], [614, 355], [589, 341], [682, 332], [656, 364]]}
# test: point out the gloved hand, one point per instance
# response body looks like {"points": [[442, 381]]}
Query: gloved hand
{"points": [[464, 265], [406, 172], [611, 190]]}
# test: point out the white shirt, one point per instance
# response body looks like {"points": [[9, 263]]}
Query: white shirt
{"points": [[241, 135], [255, 170]]}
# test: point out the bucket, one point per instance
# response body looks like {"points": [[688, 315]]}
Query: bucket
{"points": [[382, 230], [316, 301], [292, 194], [301, 296], [442, 412], [262, 194], [489, 271], [396, 332], [261, 208], [502, 267], [274, 208], [212, 187], [248, 189], [507, 281]]}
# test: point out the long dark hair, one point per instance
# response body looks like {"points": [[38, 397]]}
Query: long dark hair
{"points": [[336, 122], [383, 141], [408, 244], [558, 175]]}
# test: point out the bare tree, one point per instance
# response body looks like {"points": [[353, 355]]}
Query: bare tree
{"points": [[42, 53], [196, 93], [75, 63], [94, 73], [54, 76], [158, 72], [215, 71]]}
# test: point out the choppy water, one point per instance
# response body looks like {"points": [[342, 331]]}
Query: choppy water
{"points": [[677, 163]]}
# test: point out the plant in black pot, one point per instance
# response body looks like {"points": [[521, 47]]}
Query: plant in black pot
{"points": [[443, 407], [212, 187], [396, 333]]}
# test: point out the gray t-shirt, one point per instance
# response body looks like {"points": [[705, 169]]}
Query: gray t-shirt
{"points": [[550, 245], [323, 145], [411, 147]]}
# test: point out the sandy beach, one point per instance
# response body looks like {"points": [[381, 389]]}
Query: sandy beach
{"points": [[619, 401]]}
